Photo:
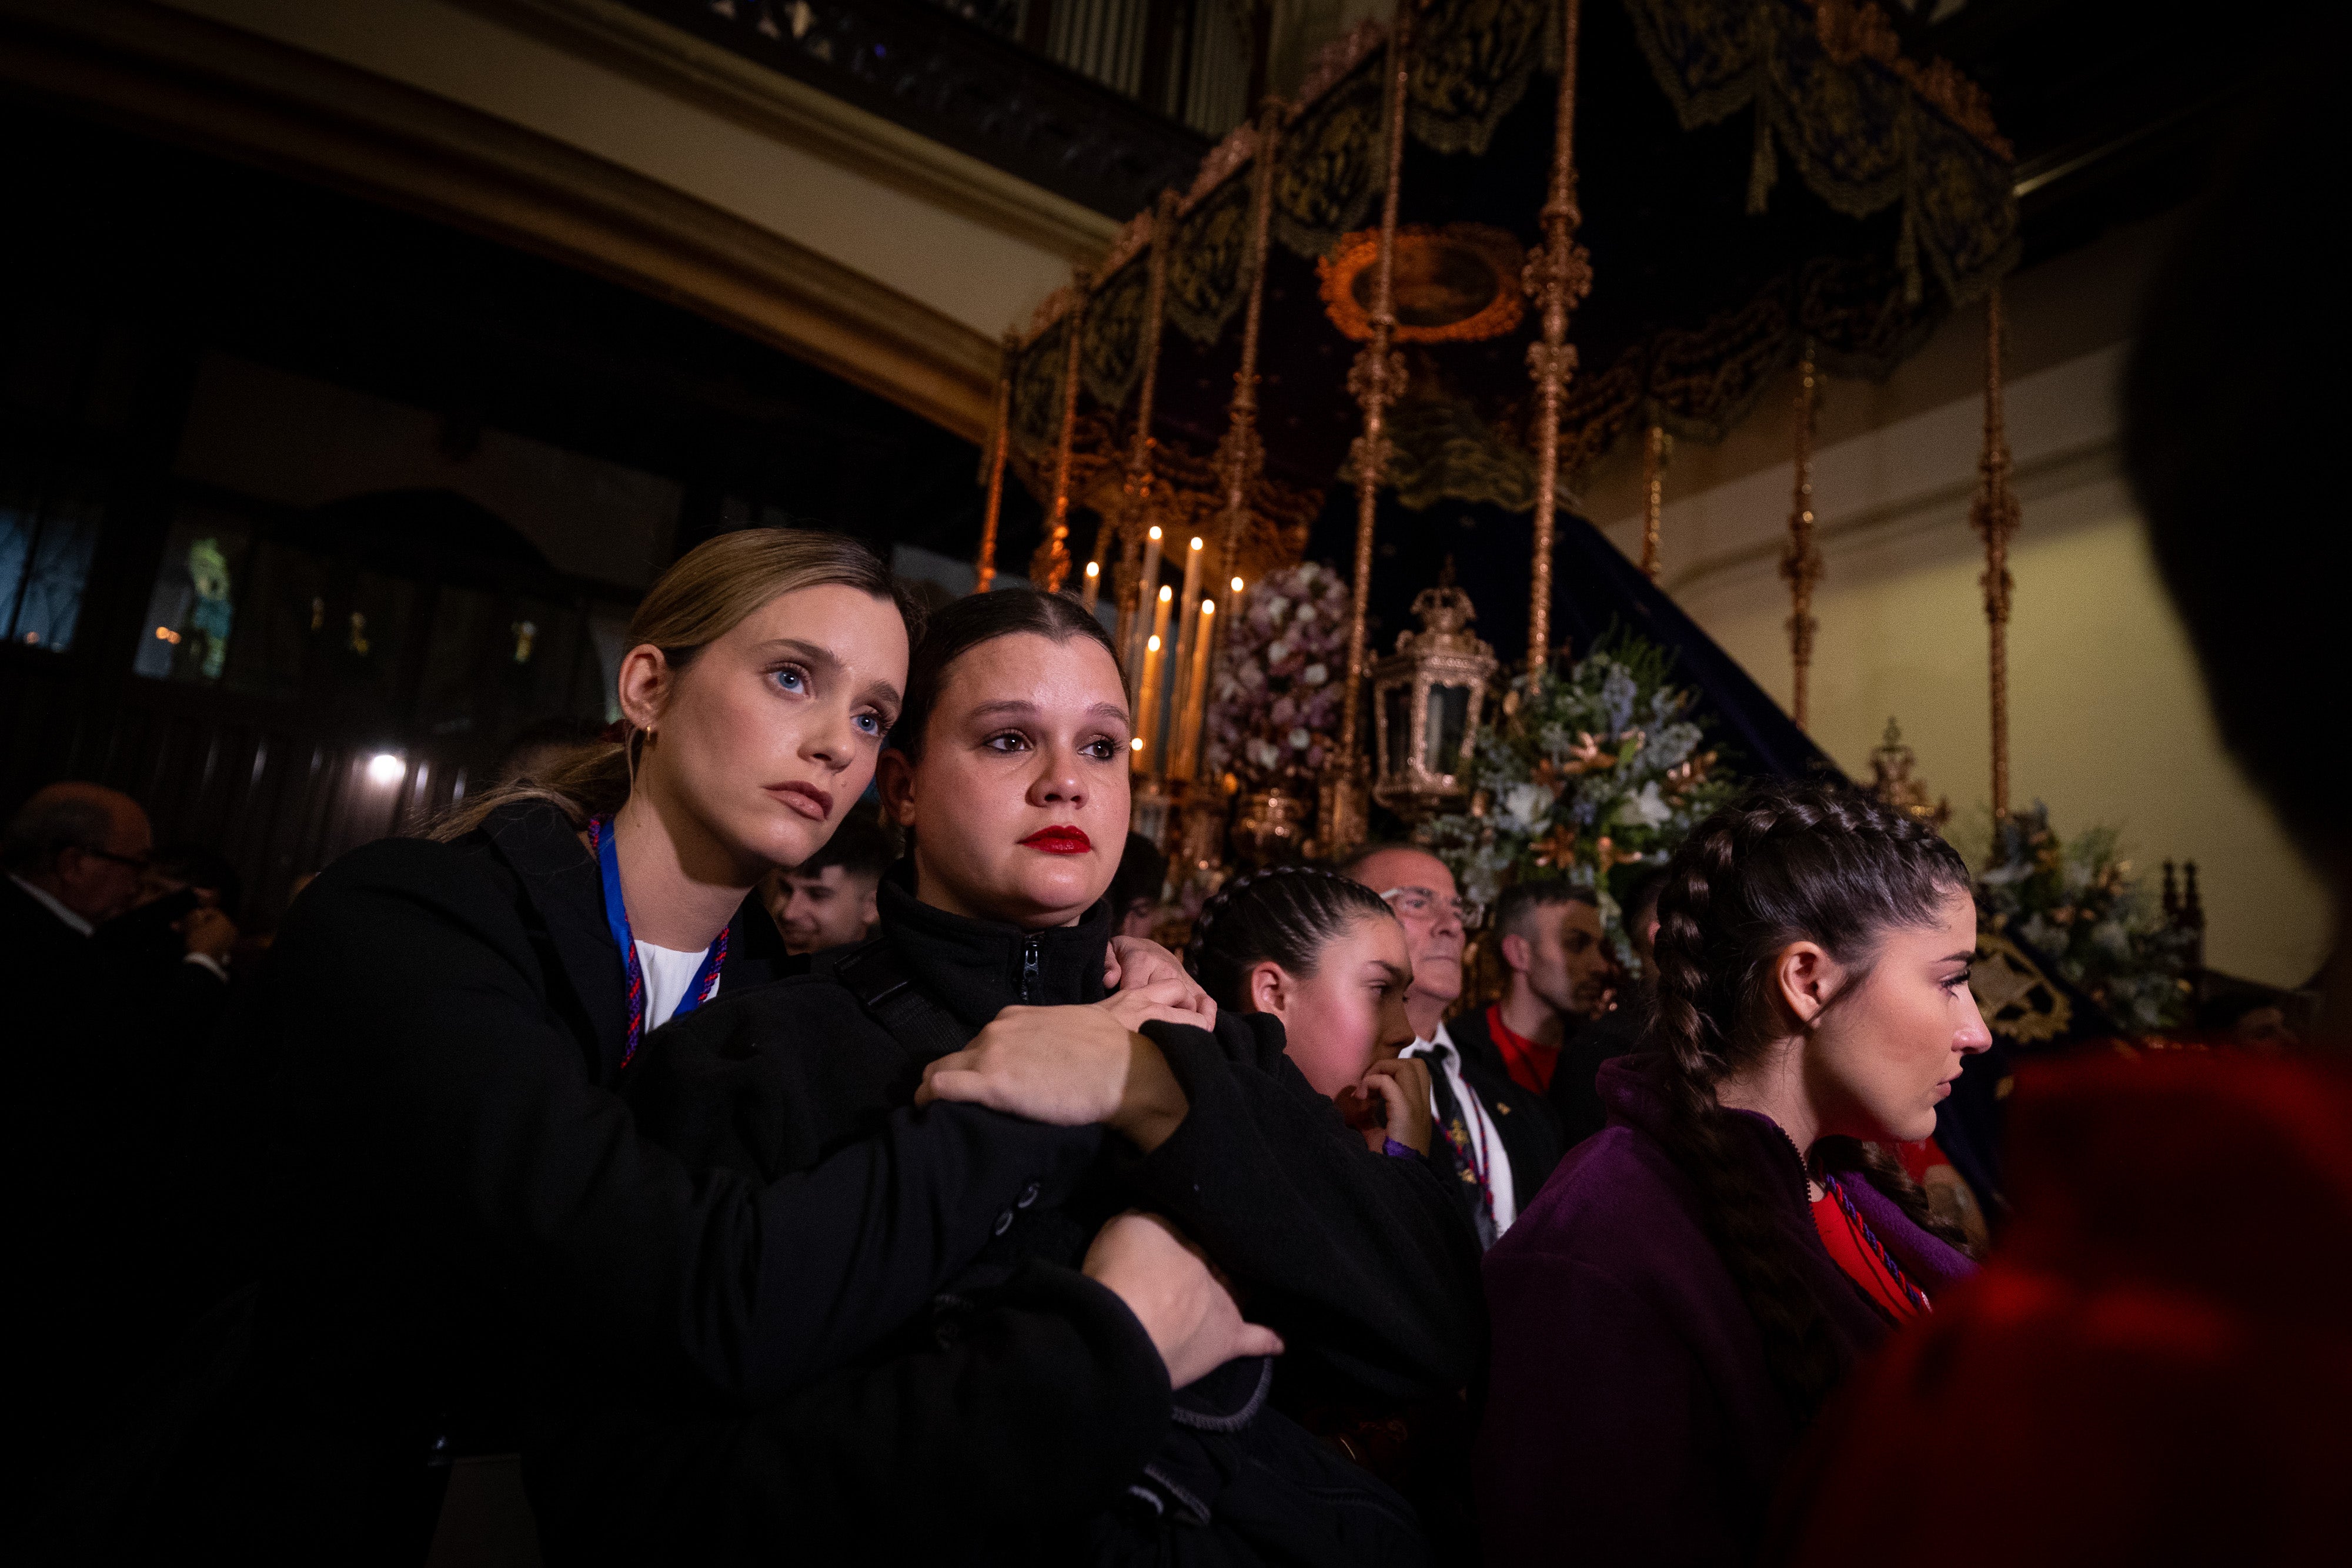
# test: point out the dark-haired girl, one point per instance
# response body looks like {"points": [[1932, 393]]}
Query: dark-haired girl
{"points": [[1671, 1312], [1325, 956], [1030, 1411], [1322, 956]]}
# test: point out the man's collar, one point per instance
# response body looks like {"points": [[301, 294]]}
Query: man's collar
{"points": [[50, 902], [1440, 1045]]}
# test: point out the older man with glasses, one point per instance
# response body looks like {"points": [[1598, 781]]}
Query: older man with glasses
{"points": [[74, 854], [1504, 1141]]}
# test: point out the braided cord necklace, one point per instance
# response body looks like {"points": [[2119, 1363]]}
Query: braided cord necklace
{"points": [[1917, 1297]]}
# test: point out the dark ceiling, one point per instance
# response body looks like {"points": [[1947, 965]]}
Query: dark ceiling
{"points": [[220, 256]]}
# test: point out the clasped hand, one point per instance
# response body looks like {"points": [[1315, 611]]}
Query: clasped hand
{"points": [[1070, 1066]]}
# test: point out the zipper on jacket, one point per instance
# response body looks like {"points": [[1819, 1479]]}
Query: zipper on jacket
{"points": [[1030, 979]]}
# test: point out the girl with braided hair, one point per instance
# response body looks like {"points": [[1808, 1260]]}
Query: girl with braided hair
{"points": [[1671, 1311], [1325, 958]]}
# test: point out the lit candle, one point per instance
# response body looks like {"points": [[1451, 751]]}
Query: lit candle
{"points": [[1147, 581], [1093, 590], [1154, 664], [1183, 666], [1196, 692]]}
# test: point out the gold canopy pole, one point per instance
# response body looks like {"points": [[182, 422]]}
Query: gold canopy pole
{"points": [[1135, 503], [984, 567], [1653, 495], [1800, 563], [1241, 455], [1559, 275], [1376, 378], [1050, 566], [1995, 515]]}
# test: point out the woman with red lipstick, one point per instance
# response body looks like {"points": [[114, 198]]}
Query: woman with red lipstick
{"points": [[458, 1187], [1673, 1309], [1009, 772]]}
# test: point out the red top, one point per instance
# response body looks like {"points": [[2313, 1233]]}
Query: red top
{"points": [[1531, 1064], [1921, 1157], [1855, 1255]]}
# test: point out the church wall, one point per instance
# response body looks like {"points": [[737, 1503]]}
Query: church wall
{"points": [[2109, 721]]}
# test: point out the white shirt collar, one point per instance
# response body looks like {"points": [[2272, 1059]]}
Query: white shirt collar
{"points": [[48, 901]]}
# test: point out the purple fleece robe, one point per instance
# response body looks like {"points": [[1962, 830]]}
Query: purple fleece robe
{"points": [[1632, 1419]]}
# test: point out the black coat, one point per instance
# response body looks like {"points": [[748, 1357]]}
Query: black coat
{"points": [[1575, 1082], [1529, 1127], [461, 1193], [1011, 1413]]}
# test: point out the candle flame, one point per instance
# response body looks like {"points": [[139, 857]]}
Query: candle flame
{"points": [[1155, 531], [1196, 541], [1136, 745], [1166, 594], [1151, 644], [1237, 585], [1208, 607], [1094, 568]]}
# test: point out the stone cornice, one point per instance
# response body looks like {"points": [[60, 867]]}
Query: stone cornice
{"points": [[166, 72], [722, 82]]}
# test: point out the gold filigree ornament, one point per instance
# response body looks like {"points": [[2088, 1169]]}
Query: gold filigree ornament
{"points": [[2017, 1000], [1894, 779], [1458, 283]]}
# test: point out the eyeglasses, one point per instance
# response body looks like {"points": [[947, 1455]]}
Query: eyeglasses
{"points": [[140, 863], [1427, 904]]}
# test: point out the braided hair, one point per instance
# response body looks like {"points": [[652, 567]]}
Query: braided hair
{"points": [[1788, 860], [1285, 914]]}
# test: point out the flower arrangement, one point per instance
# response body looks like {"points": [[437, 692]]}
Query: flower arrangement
{"points": [[2077, 905], [1277, 695], [1589, 771]]}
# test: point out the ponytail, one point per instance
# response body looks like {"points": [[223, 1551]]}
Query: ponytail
{"points": [[1284, 915]]}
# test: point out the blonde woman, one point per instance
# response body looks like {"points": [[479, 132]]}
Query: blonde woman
{"points": [[458, 1187]]}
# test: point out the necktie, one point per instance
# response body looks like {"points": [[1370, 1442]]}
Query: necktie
{"points": [[1462, 1143]]}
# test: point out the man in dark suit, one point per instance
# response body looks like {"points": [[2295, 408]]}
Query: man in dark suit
{"points": [[1505, 1140], [73, 855]]}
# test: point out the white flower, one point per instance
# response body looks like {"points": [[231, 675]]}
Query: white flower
{"points": [[1264, 754], [1276, 652], [1644, 809], [1306, 614], [1526, 806], [1315, 674], [1300, 740]]}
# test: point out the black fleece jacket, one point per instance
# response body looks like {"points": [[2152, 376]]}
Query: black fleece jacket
{"points": [[456, 1191], [1027, 1397]]}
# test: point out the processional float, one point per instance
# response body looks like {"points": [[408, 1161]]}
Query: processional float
{"points": [[1398, 315]]}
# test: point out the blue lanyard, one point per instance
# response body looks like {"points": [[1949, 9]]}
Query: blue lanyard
{"points": [[616, 917]]}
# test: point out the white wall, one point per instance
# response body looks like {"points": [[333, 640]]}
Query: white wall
{"points": [[2109, 722]]}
